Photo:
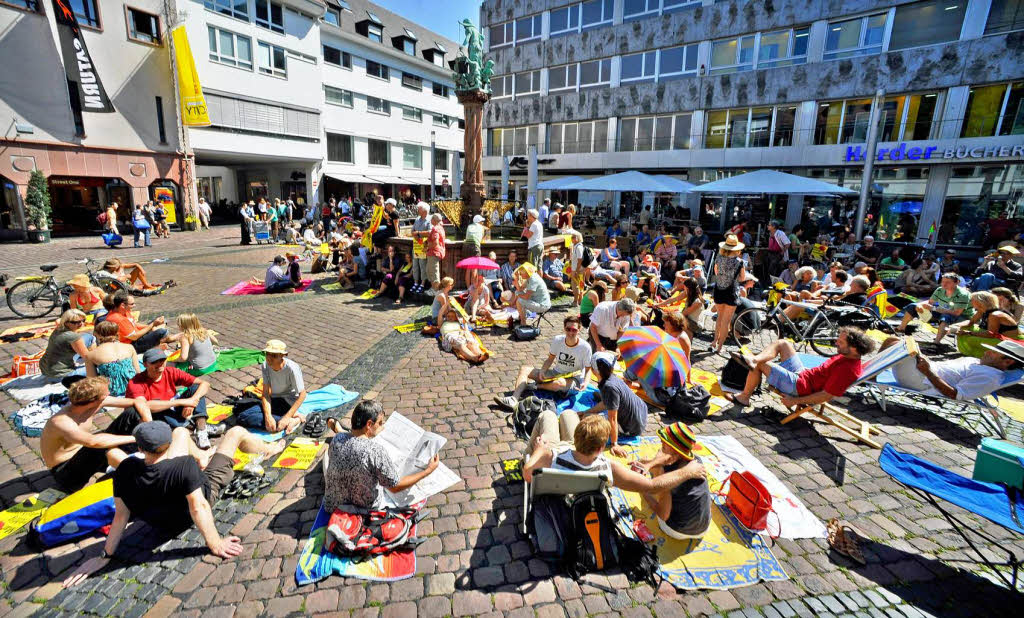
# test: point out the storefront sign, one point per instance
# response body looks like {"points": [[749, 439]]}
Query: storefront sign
{"points": [[165, 196], [193, 105], [902, 153], [78, 66]]}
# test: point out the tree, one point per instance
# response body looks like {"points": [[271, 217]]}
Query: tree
{"points": [[37, 201]]}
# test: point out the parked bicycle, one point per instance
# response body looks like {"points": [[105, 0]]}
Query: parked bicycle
{"points": [[35, 296], [760, 326]]}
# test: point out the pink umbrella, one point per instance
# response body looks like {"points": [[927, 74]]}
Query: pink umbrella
{"points": [[477, 263]]}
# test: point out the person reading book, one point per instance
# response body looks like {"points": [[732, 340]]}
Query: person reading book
{"points": [[566, 368]]}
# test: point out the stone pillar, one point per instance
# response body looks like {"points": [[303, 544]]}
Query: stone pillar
{"points": [[473, 175]]}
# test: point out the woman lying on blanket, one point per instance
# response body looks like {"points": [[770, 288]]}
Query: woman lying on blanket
{"points": [[459, 340], [132, 274], [684, 512]]}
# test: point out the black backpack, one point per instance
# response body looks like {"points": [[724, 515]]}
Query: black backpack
{"points": [[592, 544], [734, 375], [691, 404], [588, 257], [525, 415], [547, 527]]}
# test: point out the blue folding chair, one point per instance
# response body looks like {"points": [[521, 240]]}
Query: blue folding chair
{"points": [[997, 503]]}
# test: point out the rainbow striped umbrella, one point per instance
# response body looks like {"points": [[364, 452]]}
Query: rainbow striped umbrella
{"points": [[654, 356]]}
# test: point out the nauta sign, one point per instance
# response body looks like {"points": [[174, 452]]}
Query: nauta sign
{"points": [[917, 153]]}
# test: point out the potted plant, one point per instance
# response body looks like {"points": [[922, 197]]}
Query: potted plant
{"points": [[37, 205]]}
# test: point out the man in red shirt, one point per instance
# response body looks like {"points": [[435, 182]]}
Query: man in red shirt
{"points": [[158, 387], [142, 337], [800, 386]]}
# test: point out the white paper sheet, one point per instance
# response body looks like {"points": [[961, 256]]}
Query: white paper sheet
{"points": [[412, 448]]}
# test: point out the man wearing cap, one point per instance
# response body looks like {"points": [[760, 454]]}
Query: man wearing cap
{"points": [[70, 449], [626, 412], [948, 263], [868, 252], [530, 293], [607, 322], [684, 511], [552, 270], [284, 391], [566, 369], [420, 231], [534, 235], [169, 489], [965, 378], [157, 387], [999, 268]]}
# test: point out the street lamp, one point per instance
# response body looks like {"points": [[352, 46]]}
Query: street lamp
{"points": [[433, 134]]}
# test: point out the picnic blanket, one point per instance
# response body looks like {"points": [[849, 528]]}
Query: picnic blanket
{"points": [[728, 555], [324, 398], [580, 401], [232, 358], [244, 288], [31, 388], [316, 563]]}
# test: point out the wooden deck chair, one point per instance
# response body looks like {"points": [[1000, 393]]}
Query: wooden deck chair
{"points": [[549, 481], [841, 419]]}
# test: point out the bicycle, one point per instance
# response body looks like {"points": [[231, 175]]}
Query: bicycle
{"points": [[35, 296], [760, 326]]}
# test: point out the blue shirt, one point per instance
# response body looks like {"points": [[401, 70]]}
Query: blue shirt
{"points": [[553, 268], [643, 238], [612, 232]]}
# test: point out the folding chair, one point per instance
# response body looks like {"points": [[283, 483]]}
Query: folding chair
{"points": [[996, 503], [841, 419], [549, 481]]}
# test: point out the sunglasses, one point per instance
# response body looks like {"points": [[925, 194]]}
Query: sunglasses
{"points": [[76, 321], [571, 330]]}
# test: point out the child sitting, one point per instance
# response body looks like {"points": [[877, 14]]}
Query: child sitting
{"points": [[684, 512]]}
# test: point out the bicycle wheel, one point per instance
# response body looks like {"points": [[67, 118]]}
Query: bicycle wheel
{"points": [[755, 329], [109, 285], [823, 339], [32, 299]]}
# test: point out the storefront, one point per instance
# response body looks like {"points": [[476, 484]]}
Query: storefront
{"points": [[11, 213]]}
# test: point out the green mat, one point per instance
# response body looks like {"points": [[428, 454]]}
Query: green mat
{"points": [[233, 358]]}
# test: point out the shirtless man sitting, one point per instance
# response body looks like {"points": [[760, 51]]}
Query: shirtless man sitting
{"points": [[71, 450]]}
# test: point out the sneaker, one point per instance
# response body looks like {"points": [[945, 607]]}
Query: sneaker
{"points": [[509, 402], [203, 439], [215, 431]]}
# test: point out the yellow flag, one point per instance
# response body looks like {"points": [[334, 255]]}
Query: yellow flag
{"points": [[193, 106]]}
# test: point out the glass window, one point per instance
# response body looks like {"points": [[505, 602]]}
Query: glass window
{"points": [[717, 123], [760, 127], [562, 78], [440, 89], [783, 48], [663, 133], [920, 119], [785, 121], [678, 61], [337, 57], [732, 55], [333, 16], [1004, 16], [654, 133], [994, 110], [595, 72], [596, 12], [269, 15], [600, 135], [528, 28], [337, 96], [412, 157], [441, 159], [272, 60], [681, 139], [234, 8], [638, 67], [627, 134], [375, 33], [842, 122], [143, 26], [977, 195], [501, 34], [28, 5], [861, 36], [339, 148], [379, 152], [378, 105], [527, 83], [413, 82], [927, 23], [639, 8], [675, 5], [409, 47], [555, 139], [569, 141], [230, 48], [412, 113], [86, 12], [376, 69], [565, 20], [501, 86]]}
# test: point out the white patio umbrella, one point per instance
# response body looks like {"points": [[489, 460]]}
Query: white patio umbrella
{"points": [[559, 183], [771, 182], [624, 181]]}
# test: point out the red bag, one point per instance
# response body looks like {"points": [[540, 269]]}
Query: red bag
{"points": [[749, 500]]}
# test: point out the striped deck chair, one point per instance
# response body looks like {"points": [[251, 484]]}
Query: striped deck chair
{"points": [[842, 419]]}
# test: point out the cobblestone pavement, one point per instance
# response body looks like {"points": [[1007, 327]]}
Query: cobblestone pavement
{"points": [[474, 561]]}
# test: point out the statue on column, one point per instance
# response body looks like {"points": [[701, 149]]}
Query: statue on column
{"points": [[473, 87]]}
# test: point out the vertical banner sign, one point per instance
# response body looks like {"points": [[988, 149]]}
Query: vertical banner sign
{"points": [[165, 196], [78, 64], [193, 105]]}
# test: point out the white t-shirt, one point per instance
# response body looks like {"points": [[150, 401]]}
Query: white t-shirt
{"points": [[569, 359], [536, 235], [968, 376], [604, 320], [577, 256]]}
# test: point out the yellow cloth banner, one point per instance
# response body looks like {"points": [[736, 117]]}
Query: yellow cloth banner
{"points": [[15, 518], [299, 455], [193, 105]]}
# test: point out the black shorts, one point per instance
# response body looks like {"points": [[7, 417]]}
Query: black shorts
{"points": [[218, 473], [725, 296], [76, 472]]}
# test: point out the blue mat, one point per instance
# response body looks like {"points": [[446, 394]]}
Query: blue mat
{"points": [[988, 500], [325, 398], [581, 401]]}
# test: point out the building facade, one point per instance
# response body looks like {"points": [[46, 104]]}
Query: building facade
{"points": [[702, 90], [306, 99]]}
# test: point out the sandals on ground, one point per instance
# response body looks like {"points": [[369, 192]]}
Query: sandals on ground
{"points": [[315, 426], [844, 539], [245, 486]]}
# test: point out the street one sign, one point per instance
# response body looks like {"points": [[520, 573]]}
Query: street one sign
{"points": [[916, 153]]}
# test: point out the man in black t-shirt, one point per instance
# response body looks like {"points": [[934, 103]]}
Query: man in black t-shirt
{"points": [[868, 252], [170, 491]]}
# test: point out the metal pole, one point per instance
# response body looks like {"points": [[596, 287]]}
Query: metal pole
{"points": [[531, 180], [869, 162], [504, 178], [432, 170]]}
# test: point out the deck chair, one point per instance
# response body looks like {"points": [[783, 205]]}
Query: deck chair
{"points": [[992, 501], [549, 481], [841, 419]]}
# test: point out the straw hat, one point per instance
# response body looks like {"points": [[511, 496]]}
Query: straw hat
{"points": [[276, 346], [680, 438], [80, 280], [291, 254], [632, 293], [731, 243], [1009, 249]]}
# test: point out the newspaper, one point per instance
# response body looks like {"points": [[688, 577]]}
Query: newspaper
{"points": [[412, 448]]}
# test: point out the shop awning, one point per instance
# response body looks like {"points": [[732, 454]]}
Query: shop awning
{"points": [[559, 183], [351, 177], [623, 181], [771, 182], [414, 180], [678, 186]]}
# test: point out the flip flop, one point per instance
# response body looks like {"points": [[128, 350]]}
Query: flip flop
{"points": [[315, 426], [732, 397], [844, 540]]}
